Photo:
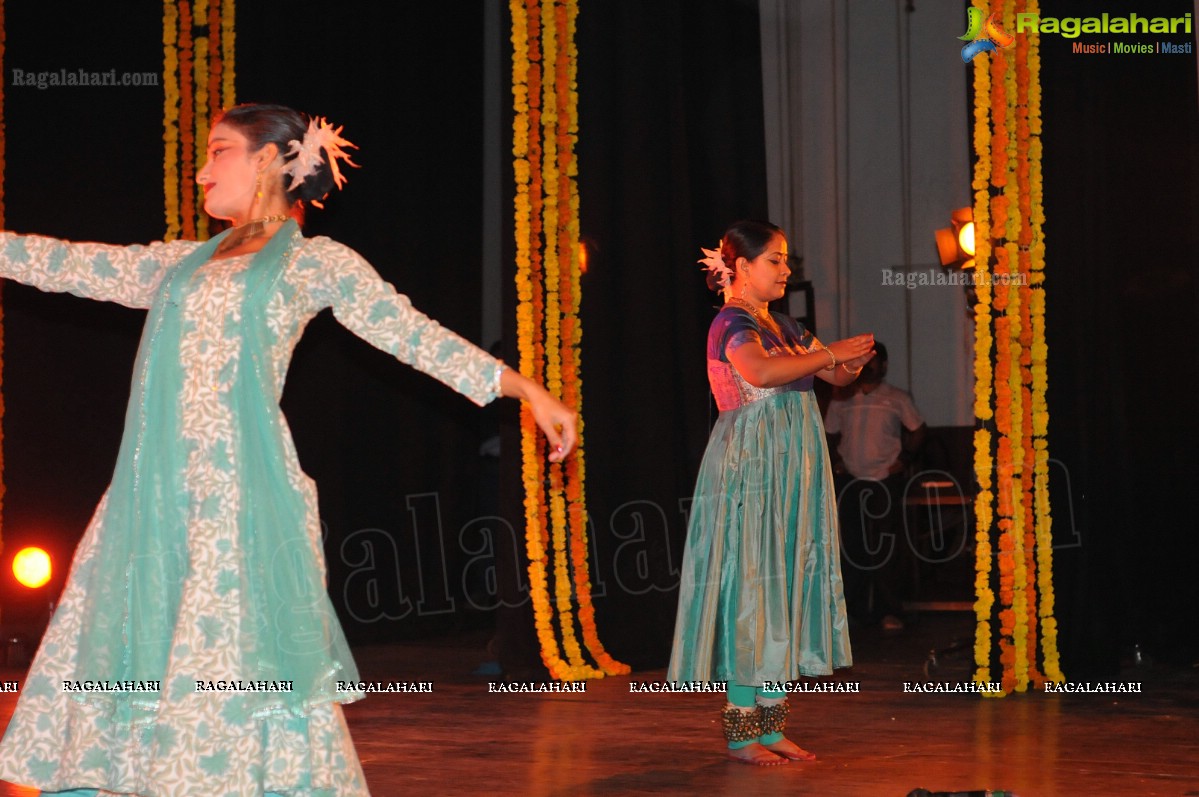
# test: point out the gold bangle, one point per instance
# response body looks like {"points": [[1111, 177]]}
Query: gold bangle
{"points": [[834, 359], [851, 373]]}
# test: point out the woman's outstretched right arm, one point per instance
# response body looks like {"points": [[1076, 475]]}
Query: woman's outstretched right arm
{"points": [[128, 275]]}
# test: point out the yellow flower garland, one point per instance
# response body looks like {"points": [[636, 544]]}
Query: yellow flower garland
{"points": [[530, 455], [228, 15], [198, 82], [983, 464], [170, 118], [1039, 366], [1017, 677], [545, 129], [1011, 455], [200, 140]]}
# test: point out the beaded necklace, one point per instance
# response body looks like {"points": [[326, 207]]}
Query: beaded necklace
{"points": [[765, 319]]}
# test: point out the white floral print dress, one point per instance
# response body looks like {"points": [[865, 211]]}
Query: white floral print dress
{"points": [[180, 738]]}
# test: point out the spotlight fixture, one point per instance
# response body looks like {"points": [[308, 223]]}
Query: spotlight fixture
{"points": [[955, 244]]}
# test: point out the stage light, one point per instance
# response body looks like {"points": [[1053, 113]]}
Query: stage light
{"points": [[966, 238], [955, 244], [31, 566], [582, 257]]}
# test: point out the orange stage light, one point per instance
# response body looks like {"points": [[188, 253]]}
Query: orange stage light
{"points": [[31, 566]]}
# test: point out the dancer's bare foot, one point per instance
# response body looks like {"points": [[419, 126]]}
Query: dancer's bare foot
{"points": [[757, 755], [789, 749]]}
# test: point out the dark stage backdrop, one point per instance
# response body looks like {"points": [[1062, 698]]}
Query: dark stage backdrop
{"points": [[671, 151], [1121, 180]]}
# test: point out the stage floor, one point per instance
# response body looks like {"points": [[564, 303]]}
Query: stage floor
{"points": [[461, 739]]}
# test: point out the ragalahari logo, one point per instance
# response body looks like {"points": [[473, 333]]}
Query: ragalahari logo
{"points": [[983, 38]]}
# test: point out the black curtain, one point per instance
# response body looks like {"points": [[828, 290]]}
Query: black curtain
{"points": [[1121, 160], [671, 151], [82, 163]]}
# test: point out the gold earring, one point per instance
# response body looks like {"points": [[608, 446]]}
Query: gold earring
{"points": [[257, 202]]}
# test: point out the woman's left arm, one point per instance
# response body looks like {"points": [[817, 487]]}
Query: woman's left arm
{"points": [[372, 309], [845, 372], [559, 422]]}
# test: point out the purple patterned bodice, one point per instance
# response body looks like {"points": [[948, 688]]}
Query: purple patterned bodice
{"points": [[734, 326]]}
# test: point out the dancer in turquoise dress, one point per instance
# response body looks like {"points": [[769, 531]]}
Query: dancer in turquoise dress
{"points": [[760, 596], [194, 650]]}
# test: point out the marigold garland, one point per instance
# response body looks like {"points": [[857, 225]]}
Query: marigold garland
{"points": [[187, 132], [198, 82], [549, 333], [1014, 578], [983, 373]]}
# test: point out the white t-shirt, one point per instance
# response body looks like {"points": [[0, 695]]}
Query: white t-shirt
{"points": [[870, 428]]}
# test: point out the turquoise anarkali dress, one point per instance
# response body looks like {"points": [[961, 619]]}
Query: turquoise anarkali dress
{"points": [[760, 594], [194, 650]]}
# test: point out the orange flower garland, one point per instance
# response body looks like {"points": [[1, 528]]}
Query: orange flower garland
{"points": [[198, 82], [170, 118], [187, 132], [545, 129], [983, 372], [1038, 376], [522, 81], [1011, 451]]}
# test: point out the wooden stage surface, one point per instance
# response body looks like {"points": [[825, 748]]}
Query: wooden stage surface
{"points": [[461, 740]]}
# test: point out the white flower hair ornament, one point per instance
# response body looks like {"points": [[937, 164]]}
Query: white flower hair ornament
{"points": [[320, 136], [714, 263]]}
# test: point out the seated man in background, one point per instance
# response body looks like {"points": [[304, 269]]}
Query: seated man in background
{"points": [[874, 431]]}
